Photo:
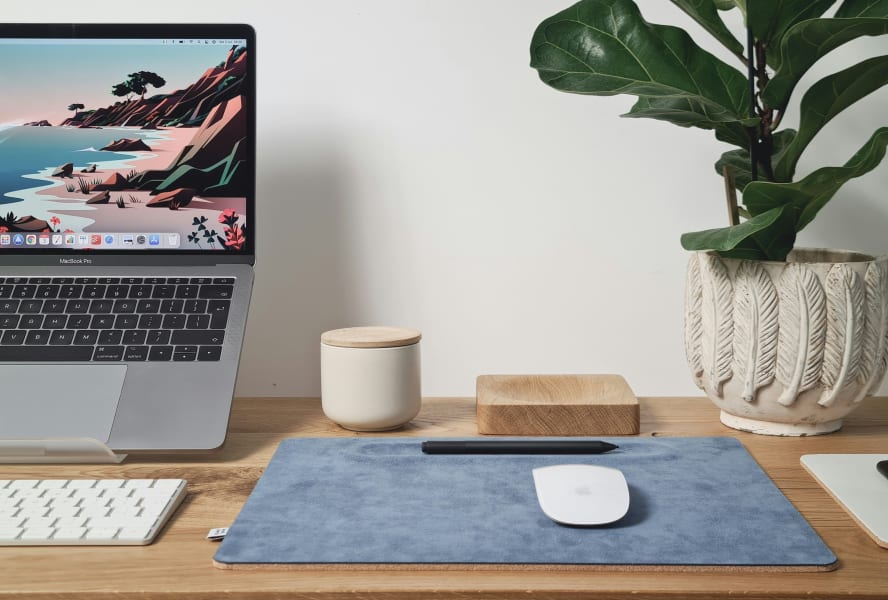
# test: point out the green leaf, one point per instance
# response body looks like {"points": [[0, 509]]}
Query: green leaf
{"points": [[862, 8], [729, 4], [687, 112], [705, 12], [810, 194], [740, 163], [827, 98], [770, 19], [605, 47], [741, 239], [806, 43]]}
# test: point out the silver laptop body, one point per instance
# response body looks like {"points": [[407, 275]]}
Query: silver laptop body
{"points": [[127, 229]]}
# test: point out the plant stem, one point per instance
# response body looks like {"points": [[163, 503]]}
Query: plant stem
{"points": [[750, 76], [731, 195]]}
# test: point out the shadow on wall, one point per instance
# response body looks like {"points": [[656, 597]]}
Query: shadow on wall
{"points": [[302, 286]]}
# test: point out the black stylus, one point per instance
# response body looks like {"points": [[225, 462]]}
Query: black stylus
{"points": [[517, 447]]}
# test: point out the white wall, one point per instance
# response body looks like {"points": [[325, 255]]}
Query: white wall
{"points": [[414, 171]]}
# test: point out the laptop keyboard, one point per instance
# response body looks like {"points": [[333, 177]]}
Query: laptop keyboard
{"points": [[112, 319]]}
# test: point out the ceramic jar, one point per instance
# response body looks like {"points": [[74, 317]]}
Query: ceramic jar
{"points": [[370, 377]]}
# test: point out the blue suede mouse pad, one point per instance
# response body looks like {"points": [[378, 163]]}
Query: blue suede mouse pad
{"points": [[359, 502]]}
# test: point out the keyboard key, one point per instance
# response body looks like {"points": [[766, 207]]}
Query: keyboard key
{"points": [[62, 337], [140, 291], [37, 337], [216, 291], [101, 306], [70, 291], [130, 280], [9, 306], [6, 291], [171, 306], [78, 321], [187, 291], [218, 310], [198, 337], [108, 353], [173, 321], [184, 356], [126, 321], [224, 280], [69, 534], [47, 291], [54, 306], [155, 280], [134, 337], [55, 321], [31, 322], [150, 321], [164, 291], [13, 337], [101, 534], [136, 353], [124, 306], [24, 291], [110, 337], [47, 353], [93, 291], [177, 280], [207, 353], [195, 306], [102, 322], [160, 353], [36, 533], [109, 280], [86, 337], [9, 321], [30, 306], [77, 306], [147, 306], [197, 321], [158, 337], [85, 280]]}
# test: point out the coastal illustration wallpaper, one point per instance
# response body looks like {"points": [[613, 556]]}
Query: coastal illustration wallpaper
{"points": [[124, 144]]}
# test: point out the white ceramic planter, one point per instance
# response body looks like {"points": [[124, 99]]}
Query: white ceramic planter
{"points": [[787, 348]]}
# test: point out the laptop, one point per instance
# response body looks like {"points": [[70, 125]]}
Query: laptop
{"points": [[127, 230]]}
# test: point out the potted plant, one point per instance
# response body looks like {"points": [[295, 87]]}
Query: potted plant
{"points": [[784, 340]]}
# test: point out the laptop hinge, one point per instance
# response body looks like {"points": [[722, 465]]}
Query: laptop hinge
{"points": [[57, 450]]}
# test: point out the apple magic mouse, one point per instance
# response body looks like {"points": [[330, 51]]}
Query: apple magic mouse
{"points": [[582, 494]]}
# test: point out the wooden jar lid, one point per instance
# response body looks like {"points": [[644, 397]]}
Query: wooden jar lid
{"points": [[371, 337]]}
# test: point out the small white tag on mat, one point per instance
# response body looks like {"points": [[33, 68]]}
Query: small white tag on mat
{"points": [[217, 534]]}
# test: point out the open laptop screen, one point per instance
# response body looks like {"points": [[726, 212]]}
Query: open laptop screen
{"points": [[126, 138]]}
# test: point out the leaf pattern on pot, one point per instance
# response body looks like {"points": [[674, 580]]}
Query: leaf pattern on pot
{"points": [[755, 327], [874, 356], [802, 331], [844, 329], [718, 322], [694, 320]]}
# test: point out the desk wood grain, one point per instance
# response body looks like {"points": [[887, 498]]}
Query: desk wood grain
{"points": [[179, 563]]}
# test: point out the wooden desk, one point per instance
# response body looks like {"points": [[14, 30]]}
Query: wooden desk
{"points": [[179, 563]]}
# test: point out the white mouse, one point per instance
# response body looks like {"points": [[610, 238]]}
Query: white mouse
{"points": [[582, 494]]}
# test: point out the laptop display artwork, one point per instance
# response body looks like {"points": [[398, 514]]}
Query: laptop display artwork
{"points": [[127, 229]]}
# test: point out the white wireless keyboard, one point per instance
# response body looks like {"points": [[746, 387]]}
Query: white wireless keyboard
{"points": [[75, 512]]}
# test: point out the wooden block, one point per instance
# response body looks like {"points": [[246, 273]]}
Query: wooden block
{"points": [[555, 405]]}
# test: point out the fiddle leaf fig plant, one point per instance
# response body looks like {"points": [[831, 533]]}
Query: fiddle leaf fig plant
{"points": [[605, 47]]}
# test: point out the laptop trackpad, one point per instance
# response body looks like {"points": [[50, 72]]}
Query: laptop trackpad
{"points": [[59, 401]]}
